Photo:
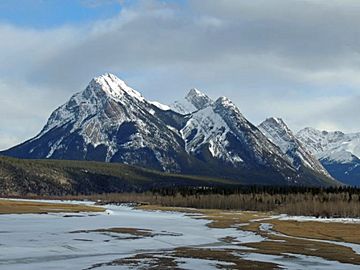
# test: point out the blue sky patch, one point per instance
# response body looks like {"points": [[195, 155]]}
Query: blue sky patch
{"points": [[53, 13]]}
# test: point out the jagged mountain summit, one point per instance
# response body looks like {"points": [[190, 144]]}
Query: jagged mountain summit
{"points": [[276, 130], [109, 121], [193, 101], [221, 130], [338, 152], [336, 146]]}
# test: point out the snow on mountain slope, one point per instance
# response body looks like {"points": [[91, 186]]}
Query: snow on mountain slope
{"points": [[254, 146], [332, 146], [279, 133], [194, 100], [224, 132], [206, 126], [88, 102], [160, 105], [338, 152], [108, 121]]}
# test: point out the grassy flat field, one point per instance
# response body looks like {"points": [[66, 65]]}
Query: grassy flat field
{"points": [[30, 207]]}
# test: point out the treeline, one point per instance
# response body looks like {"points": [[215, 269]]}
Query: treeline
{"points": [[319, 202], [253, 189], [308, 201]]}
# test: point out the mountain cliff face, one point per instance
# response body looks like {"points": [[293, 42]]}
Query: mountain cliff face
{"points": [[338, 152], [109, 121], [280, 134]]}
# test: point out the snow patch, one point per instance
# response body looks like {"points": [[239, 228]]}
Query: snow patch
{"points": [[211, 129], [333, 146], [54, 147], [115, 87], [194, 100], [160, 105]]}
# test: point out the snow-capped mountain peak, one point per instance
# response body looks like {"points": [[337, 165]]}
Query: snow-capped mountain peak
{"points": [[278, 121], [97, 95], [193, 101], [225, 103], [276, 130], [278, 133], [331, 145], [109, 121], [198, 98], [338, 152], [230, 112], [195, 92], [226, 134], [113, 87]]}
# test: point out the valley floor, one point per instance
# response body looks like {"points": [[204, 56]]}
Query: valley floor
{"points": [[154, 237]]}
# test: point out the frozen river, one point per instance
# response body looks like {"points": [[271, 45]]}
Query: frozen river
{"points": [[81, 241]]}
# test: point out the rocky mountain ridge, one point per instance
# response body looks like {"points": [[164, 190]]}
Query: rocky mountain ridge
{"points": [[337, 151], [111, 122], [280, 134]]}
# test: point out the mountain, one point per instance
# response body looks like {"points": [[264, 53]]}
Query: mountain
{"points": [[280, 134], [220, 131], [338, 152], [109, 121], [194, 100]]}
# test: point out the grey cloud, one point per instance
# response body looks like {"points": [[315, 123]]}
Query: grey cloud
{"points": [[308, 33], [283, 58], [310, 42], [343, 116]]}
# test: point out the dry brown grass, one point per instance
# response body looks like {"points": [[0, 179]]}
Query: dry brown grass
{"points": [[149, 261], [226, 219], [227, 256], [217, 218], [305, 247], [28, 207], [152, 207], [131, 231], [344, 232], [223, 259], [278, 245]]}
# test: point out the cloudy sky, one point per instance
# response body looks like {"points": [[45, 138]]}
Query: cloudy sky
{"points": [[295, 59]]}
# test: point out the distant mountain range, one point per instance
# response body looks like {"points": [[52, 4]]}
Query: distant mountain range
{"points": [[111, 122], [338, 152]]}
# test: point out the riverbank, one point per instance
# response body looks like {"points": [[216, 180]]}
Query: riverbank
{"points": [[10, 206], [156, 237]]}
